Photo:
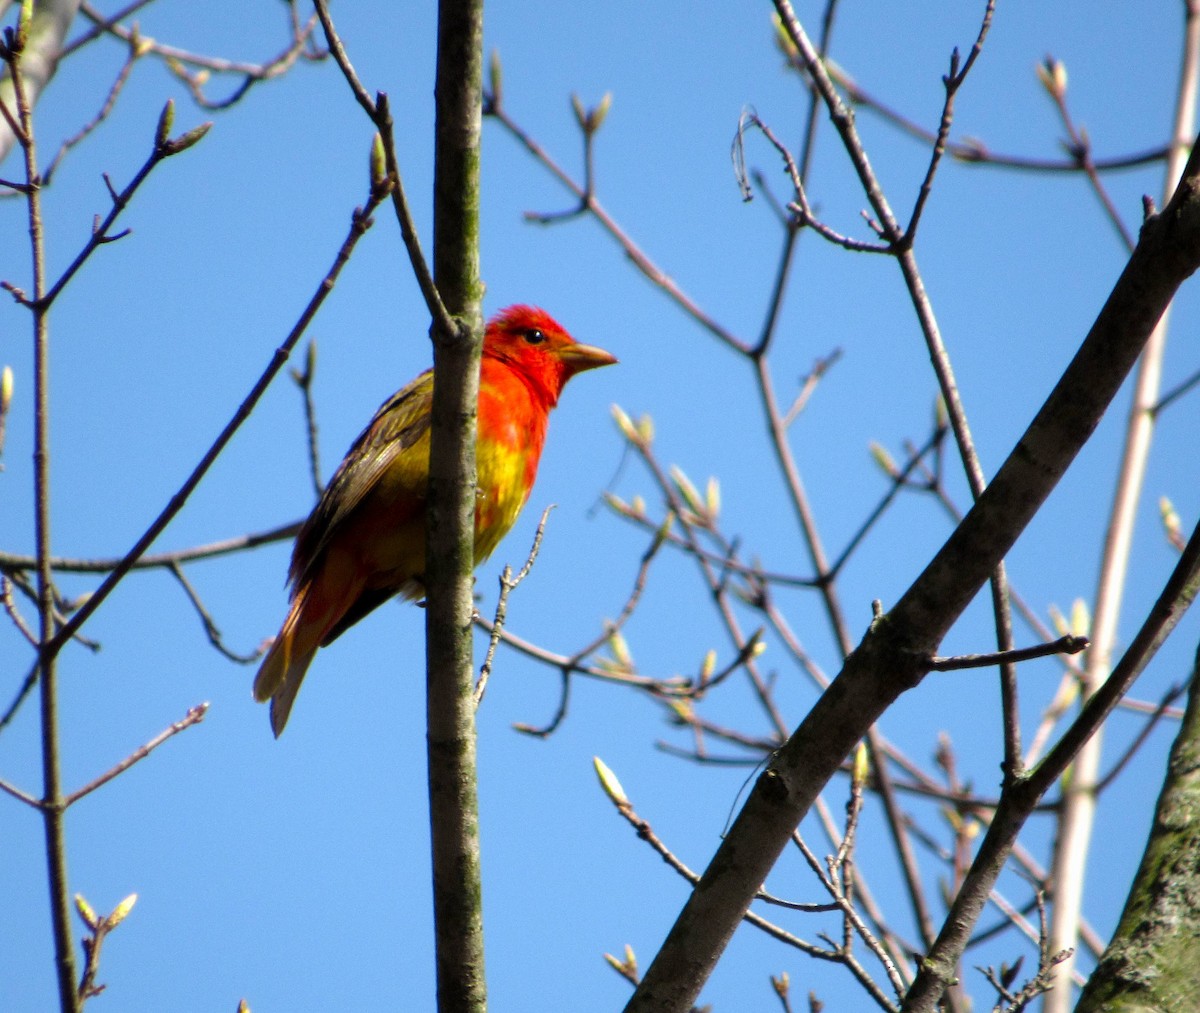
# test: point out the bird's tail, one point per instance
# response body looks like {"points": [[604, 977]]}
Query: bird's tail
{"points": [[313, 613]]}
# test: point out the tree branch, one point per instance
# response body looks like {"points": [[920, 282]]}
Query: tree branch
{"points": [[450, 513], [887, 662]]}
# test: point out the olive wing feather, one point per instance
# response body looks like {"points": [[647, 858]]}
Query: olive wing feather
{"points": [[401, 421]]}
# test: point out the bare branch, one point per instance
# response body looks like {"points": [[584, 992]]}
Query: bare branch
{"points": [[194, 716]]}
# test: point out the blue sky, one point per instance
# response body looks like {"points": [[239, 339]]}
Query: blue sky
{"points": [[295, 873]]}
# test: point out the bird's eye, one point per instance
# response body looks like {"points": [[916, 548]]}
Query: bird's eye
{"points": [[534, 337]]}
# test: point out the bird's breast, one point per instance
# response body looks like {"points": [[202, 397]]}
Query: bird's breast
{"points": [[509, 445]]}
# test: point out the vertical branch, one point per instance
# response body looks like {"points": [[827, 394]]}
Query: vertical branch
{"points": [[42, 44], [52, 808], [1079, 797], [454, 815]]}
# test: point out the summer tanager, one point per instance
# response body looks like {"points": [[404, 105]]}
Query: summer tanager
{"points": [[365, 540]]}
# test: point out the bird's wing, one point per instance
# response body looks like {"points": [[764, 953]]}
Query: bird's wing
{"points": [[399, 424]]}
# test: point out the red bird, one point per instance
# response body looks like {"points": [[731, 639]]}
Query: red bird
{"points": [[365, 540]]}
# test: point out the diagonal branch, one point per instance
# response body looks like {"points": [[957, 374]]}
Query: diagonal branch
{"points": [[360, 222], [888, 661]]}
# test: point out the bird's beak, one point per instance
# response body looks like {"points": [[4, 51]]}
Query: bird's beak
{"points": [[577, 357]]}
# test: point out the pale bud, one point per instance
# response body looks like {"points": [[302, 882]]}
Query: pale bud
{"points": [[688, 491], [580, 112], [86, 912], [620, 649], [608, 781], [624, 423], [121, 911], [781, 983], [596, 117], [1081, 618], [862, 766], [1053, 75], [882, 458], [712, 498], [1170, 519]]}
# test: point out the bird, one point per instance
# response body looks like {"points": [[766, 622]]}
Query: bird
{"points": [[364, 541]]}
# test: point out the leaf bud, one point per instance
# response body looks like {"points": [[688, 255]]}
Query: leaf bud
{"points": [[121, 911], [86, 912], [378, 162], [185, 141], [862, 766], [624, 423], [610, 784], [496, 78], [166, 120], [598, 113]]}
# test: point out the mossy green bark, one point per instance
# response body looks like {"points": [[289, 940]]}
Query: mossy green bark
{"points": [[1152, 964]]}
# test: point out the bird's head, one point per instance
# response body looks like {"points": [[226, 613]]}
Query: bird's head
{"points": [[534, 344]]}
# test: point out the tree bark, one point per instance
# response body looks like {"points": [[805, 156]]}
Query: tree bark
{"points": [[454, 810], [1153, 961]]}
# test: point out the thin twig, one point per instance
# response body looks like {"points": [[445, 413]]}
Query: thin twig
{"points": [[106, 108], [641, 261], [973, 151], [210, 627], [194, 716], [1080, 147], [508, 583], [46, 671], [164, 148], [158, 560], [646, 833], [379, 112], [1064, 645], [18, 620], [360, 222], [304, 380]]}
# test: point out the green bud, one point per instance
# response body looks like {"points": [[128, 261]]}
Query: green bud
{"points": [[1170, 519], [496, 78], [884, 460], [610, 784], [624, 423], [596, 117], [166, 120], [378, 163], [185, 141], [86, 912], [580, 113], [120, 912], [687, 491], [861, 766], [712, 498]]}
